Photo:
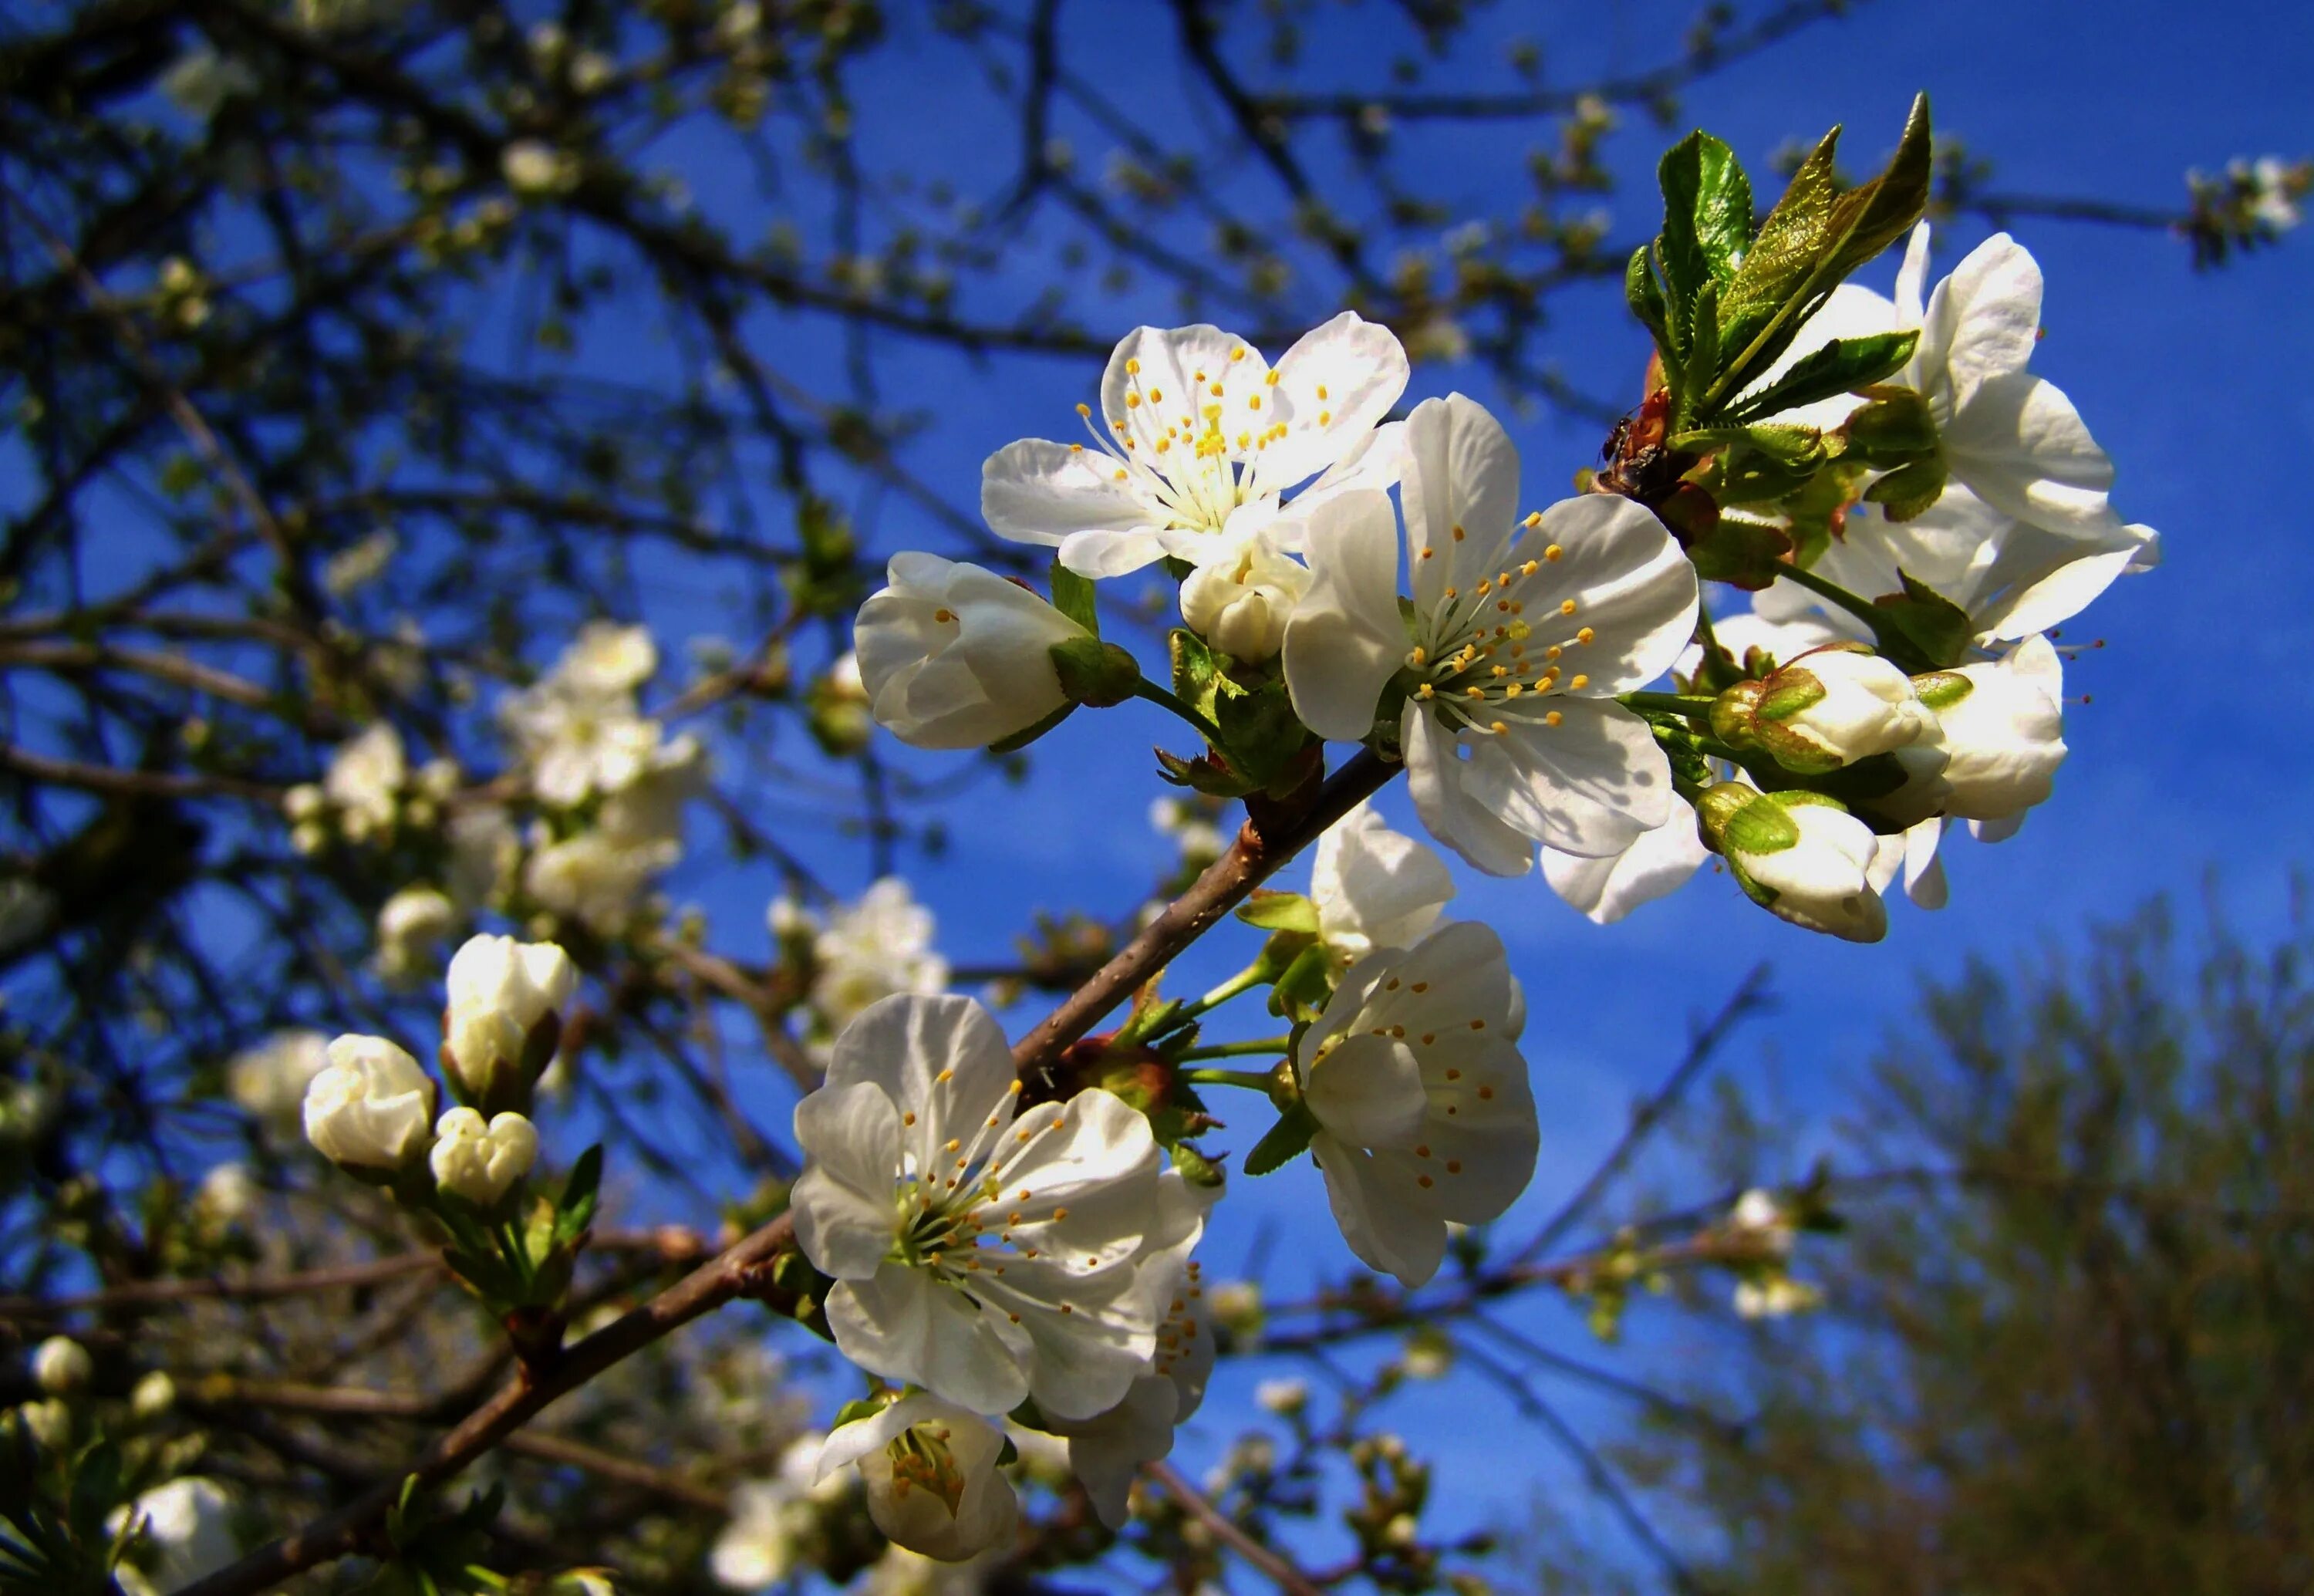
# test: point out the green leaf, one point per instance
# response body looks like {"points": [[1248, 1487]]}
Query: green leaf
{"points": [[1920, 627], [1020, 739], [1909, 490], [1072, 596], [1284, 1143], [1701, 363], [1263, 738], [1810, 241], [1303, 989], [577, 1209], [1199, 674], [1748, 554], [1645, 296], [95, 1491], [1706, 220], [1204, 774], [1843, 366], [1280, 912]]}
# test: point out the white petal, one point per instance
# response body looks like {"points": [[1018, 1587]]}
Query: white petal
{"points": [[1924, 866], [1852, 311], [1912, 279], [1480, 1157], [843, 1204], [941, 1058], [1107, 1452], [1099, 554], [1363, 370], [1436, 777], [903, 1325], [1039, 492], [1376, 887], [2020, 446], [1632, 586], [1177, 370], [1656, 864], [1993, 298], [1460, 472], [1367, 1091], [1589, 786], [1344, 640], [1380, 1211]]}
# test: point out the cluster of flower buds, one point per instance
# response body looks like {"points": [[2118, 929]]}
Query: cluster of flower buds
{"points": [[368, 795]]}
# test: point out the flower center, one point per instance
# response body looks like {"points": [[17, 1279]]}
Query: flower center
{"points": [[1195, 470], [1485, 656], [920, 1461]]}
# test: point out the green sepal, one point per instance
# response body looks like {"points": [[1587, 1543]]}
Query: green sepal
{"points": [[1843, 366], [1020, 739], [1305, 985], [1813, 510], [1073, 595], [1283, 1141], [1907, 492], [1280, 912], [859, 1408], [1204, 774], [1759, 826], [1744, 553], [1095, 673], [1894, 429], [1941, 690], [1920, 627]]}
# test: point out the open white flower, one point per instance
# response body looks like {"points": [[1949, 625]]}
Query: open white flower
{"points": [[597, 879], [1421, 1094], [371, 1107], [606, 658], [480, 1161], [930, 1471], [185, 1534], [1373, 887], [581, 744], [502, 993], [1655, 865], [269, 1080], [365, 780], [1522, 633], [2004, 725], [983, 1259], [1199, 435], [1106, 1452], [2011, 578], [1240, 601], [873, 948], [955, 656]]}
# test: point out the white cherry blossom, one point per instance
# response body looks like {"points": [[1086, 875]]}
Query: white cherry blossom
{"points": [[269, 1080], [184, 1534], [1199, 435], [2003, 722], [773, 1522], [371, 1107], [478, 1160], [983, 1257], [1522, 632], [1373, 887], [873, 948], [1424, 1112], [364, 781], [955, 656], [930, 1471]]}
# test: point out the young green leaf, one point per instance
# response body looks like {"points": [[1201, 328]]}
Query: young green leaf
{"points": [[1843, 365], [1706, 218], [1645, 296], [1920, 627], [577, 1209]]}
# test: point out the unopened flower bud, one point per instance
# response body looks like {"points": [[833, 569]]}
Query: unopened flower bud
{"points": [[49, 1422], [371, 1107], [504, 1019], [2004, 727], [1283, 1397], [1240, 604], [1800, 856], [480, 1162], [1828, 708], [154, 1396], [955, 656], [62, 1367]]}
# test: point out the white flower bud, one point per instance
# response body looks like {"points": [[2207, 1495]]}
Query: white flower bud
{"points": [[303, 802], [371, 1107], [955, 656], [1283, 1397], [1240, 604], [533, 166], [49, 1423], [1760, 1217], [1801, 857], [1829, 708], [2003, 729], [411, 922], [62, 1367], [501, 993], [154, 1396], [481, 1162]]}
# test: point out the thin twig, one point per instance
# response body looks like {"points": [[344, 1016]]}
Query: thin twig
{"points": [[1281, 1573]]}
